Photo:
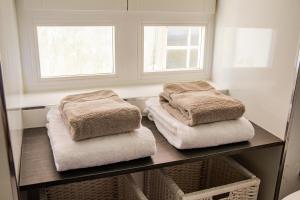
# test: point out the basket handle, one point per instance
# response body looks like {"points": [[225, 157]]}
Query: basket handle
{"points": [[221, 196]]}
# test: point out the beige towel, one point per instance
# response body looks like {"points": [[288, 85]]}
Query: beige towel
{"points": [[198, 102], [98, 113]]}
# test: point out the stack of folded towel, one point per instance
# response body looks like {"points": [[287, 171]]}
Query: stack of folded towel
{"points": [[97, 128], [195, 115]]}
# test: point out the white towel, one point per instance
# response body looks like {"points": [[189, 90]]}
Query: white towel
{"points": [[205, 135], [69, 154]]}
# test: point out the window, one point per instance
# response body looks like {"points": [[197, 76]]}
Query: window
{"points": [[173, 48], [76, 50]]}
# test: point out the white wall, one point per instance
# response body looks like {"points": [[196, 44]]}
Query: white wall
{"points": [[255, 55], [12, 75]]}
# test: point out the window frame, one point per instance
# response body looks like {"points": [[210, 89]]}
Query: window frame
{"points": [[203, 73], [128, 64], [36, 68]]}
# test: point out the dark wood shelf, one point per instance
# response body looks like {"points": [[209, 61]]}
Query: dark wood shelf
{"points": [[38, 169]]}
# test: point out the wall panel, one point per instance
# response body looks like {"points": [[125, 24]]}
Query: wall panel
{"points": [[255, 55], [74, 4], [203, 6]]}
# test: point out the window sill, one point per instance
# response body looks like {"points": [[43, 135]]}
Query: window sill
{"points": [[35, 100]]}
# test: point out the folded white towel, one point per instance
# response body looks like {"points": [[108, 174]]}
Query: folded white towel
{"points": [[69, 154], [205, 135]]}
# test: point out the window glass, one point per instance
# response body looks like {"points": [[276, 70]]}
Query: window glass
{"points": [[193, 58], [177, 36], [168, 48], [76, 50], [176, 58], [195, 36]]}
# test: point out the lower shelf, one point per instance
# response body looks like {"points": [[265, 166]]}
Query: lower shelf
{"points": [[214, 178], [38, 169]]}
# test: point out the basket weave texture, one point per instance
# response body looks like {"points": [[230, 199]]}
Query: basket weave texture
{"points": [[212, 179], [113, 188]]}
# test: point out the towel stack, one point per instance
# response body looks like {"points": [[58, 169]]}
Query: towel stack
{"points": [[195, 114], [198, 102], [97, 128], [98, 113]]}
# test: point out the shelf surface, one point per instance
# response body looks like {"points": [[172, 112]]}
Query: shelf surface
{"points": [[38, 169]]}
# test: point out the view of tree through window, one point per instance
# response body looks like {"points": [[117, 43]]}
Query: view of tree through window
{"points": [[76, 50]]}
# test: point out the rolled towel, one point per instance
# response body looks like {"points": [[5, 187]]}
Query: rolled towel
{"points": [[205, 135], [69, 154], [98, 113], [195, 103]]}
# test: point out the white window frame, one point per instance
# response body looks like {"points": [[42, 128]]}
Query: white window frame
{"points": [[203, 73], [128, 47]]}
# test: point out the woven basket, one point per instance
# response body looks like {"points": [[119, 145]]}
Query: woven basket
{"points": [[213, 179], [114, 188]]}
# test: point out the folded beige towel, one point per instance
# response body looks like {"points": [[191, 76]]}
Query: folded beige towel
{"points": [[98, 113], [198, 102]]}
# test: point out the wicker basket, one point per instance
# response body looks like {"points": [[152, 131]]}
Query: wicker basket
{"points": [[213, 179], [114, 188]]}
